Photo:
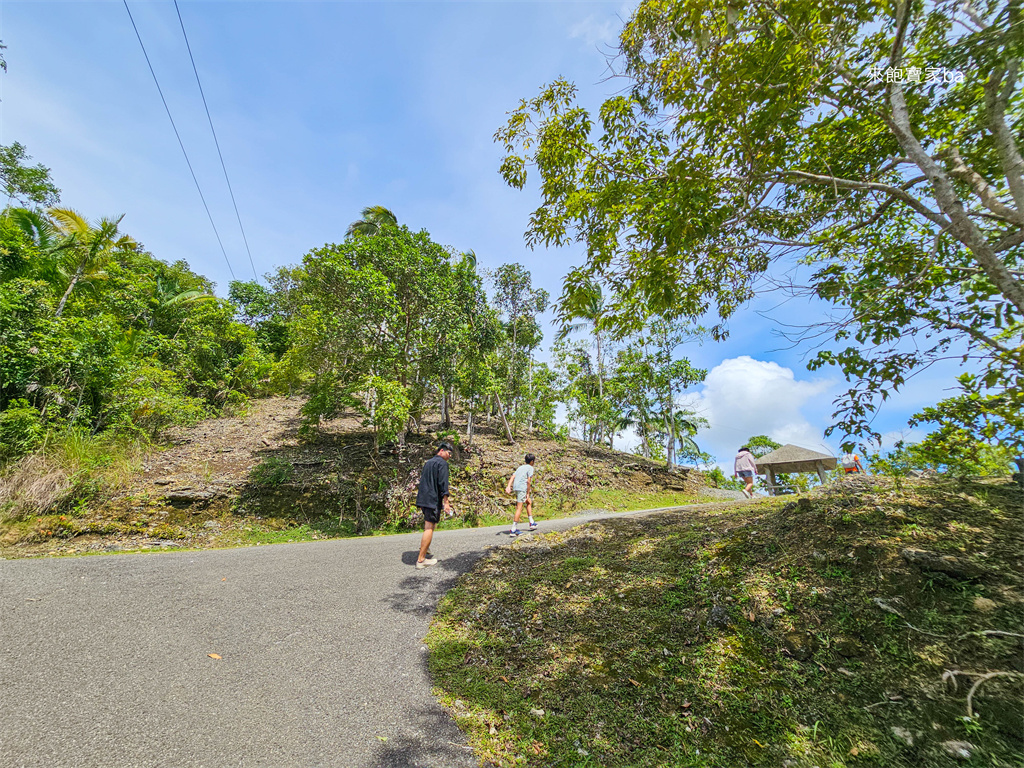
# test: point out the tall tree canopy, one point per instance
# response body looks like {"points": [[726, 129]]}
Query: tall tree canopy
{"points": [[876, 142]]}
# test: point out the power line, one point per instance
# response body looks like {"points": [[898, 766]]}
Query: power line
{"points": [[180, 144], [214, 132]]}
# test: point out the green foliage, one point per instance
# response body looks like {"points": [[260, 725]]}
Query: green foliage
{"points": [[21, 430], [265, 311], [449, 436], [755, 138], [520, 304], [391, 307], [949, 451], [97, 334], [389, 408], [761, 445], [149, 400], [22, 182], [717, 476], [272, 472]]}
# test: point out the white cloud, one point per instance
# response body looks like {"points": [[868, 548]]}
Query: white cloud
{"points": [[595, 31], [743, 397]]}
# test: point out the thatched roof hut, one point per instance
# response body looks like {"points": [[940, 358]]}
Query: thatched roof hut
{"points": [[793, 458]]}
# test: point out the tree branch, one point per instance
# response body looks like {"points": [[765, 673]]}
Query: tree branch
{"points": [[1006, 147], [963, 228], [1011, 240], [986, 192], [896, 192]]}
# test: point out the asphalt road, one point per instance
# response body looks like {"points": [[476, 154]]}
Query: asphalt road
{"points": [[104, 661]]}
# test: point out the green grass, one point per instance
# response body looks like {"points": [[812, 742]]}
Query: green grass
{"points": [[619, 500], [69, 469], [606, 629]]}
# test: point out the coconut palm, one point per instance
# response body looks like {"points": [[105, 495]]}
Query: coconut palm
{"points": [[47, 244], [86, 247], [374, 217], [169, 293]]}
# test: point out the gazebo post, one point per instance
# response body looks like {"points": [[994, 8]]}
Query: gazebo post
{"points": [[772, 490], [821, 471]]}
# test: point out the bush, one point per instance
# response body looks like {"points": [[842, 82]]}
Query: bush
{"points": [[21, 430], [149, 400], [391, 408], [272, 472], [449, 436]]}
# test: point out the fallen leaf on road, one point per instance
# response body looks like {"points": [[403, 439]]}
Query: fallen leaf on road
{"points": [[213, 655], [382, 738]]}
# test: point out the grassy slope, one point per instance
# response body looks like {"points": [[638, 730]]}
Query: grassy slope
{"points": [[271, 486], [746, 637]]}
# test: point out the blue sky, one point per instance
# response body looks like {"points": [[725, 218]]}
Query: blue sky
{"points": [[323, 108]]}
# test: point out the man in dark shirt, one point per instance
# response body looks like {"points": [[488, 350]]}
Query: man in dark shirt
{"points": [[432, 498]]}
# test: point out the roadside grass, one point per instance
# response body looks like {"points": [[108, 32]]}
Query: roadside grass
{"points": [[627, 500], [68, 470], [750, 636]]}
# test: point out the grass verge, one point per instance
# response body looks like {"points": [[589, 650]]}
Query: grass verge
{"points": [[778, 635]]}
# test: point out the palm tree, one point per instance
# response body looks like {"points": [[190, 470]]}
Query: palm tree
{"points": [[679, 427], [169, 293], [43, 235], [87, 246], [374, 217]]}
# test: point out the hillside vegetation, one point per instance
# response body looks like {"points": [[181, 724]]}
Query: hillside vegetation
{"points": [[252, 478], [863, 625]]}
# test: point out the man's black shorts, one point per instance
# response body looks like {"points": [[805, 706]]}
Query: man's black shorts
{"points": [[431, 515]]}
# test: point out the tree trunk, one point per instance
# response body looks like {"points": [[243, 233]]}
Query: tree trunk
{"points": [[600, 375], [670, 447], [71, 287], [445, 422], [533, 409], [501, 411], [469, 428]]}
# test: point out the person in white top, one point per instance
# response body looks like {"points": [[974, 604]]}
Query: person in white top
{"points": [[522, 483], [851, 464], [746, 467]]}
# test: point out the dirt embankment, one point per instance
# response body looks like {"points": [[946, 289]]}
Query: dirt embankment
{"points": [[251, 478]]}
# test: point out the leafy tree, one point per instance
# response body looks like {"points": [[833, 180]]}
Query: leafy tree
{"points": [[972, 436], [391, 306], [520, 304], [577, 384], [755, 134], [388, 408], [761, 445], [587, 305], [262, 310], [146, 347], [24, 183]]}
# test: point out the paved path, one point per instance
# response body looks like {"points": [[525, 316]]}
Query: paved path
{"points": [[104, 660]]}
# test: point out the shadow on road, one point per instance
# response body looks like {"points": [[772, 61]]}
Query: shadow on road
{"points": [[419, 592], [431, 740], [438, 743]]}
